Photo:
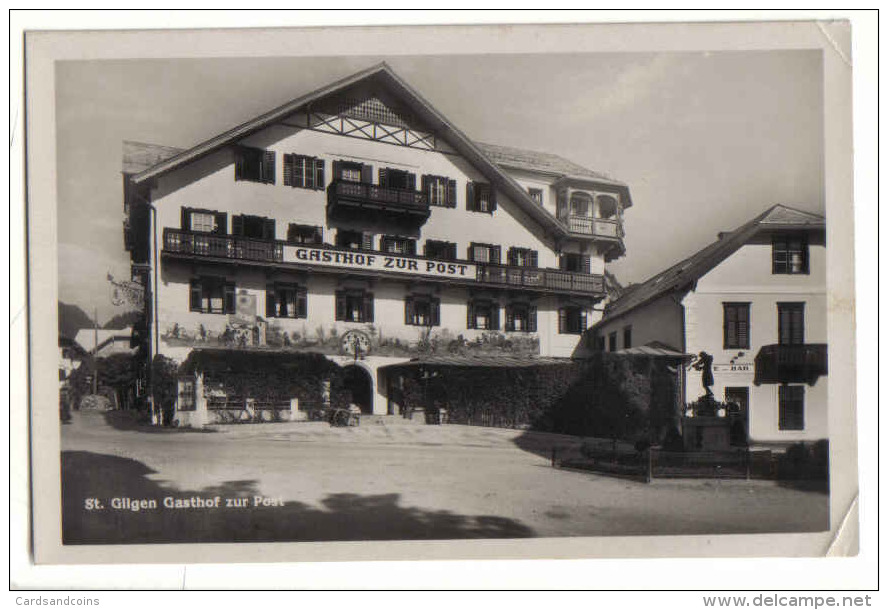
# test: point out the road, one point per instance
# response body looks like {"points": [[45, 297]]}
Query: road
{"points": [[381, 481]]}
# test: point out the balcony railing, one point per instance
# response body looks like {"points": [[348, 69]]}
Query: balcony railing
{"points": [[791, 363], [601, 227], [178, 242], [346, 194], [222, 246]]}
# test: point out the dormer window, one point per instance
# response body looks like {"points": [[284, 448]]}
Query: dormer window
{"points": [[789, 254]]}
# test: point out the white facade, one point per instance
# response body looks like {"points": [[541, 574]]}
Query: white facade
{"points": [[692, 317]]}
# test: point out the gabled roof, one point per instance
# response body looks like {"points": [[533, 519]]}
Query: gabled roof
{"points": [[543, 162], [684, 273], [139, 156], [86, 337], [424, 111]]}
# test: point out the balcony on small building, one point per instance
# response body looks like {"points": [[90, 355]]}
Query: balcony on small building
{"points": [[583, 213], [359, 200], [802, 363]]}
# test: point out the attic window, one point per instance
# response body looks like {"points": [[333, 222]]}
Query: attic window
{"points": [[254, 165]]}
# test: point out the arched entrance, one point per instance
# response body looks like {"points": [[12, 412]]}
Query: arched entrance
{"points": [[359, 382]]}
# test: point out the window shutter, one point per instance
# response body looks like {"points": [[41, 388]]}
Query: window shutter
{"points": [[186, 219], [470, 196], [451, 251], [239, 164], [534, 259], [411, 246], [470, 314], [408, 310], [425, 188], [562, 320], [451, 193], [230, 298], [368, 307], [583, 320], [237, 225], [562, 262], [587, 264], [270, 301], [510, 257], [494, 316], [411, 182], [496, 254], [268, 166], [492, 199], [367, 241], [510, 317], [337, 170], [320, 180], [301, 302], [471, 254], [196, 294], [532, 318], [221, 223], [340, 305], [435, 312], [288, 170], [268, 228], [367, 174], [383, 176], [319, 235]]}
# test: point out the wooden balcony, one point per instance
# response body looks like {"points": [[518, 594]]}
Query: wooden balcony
{"points": [[187, 245], [599, 227], [803, 363], [353, 199]]}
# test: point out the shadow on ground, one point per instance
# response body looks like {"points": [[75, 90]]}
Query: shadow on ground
{"points": [[341, 516]]}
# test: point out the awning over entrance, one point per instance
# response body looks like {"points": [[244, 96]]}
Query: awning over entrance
{"points": [[655, 348]]}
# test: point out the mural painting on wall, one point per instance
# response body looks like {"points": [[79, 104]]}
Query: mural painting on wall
{"points": [[328, 339]]}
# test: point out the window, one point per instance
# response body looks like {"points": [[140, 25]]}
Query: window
{"points": [[286, 301], [521, 317], [736, 325], [571, 320], [483, 315], [212, 295], [480, 197], [791, 323], [305, 234], [792, 407], [536, 195], [254, 165], [627, 337], [439, 191], [422, 311], [186, 395], [578, 263], [440, 250], [484, 253], [580, 205], [349, 171], [354, 306], [612, 342], [204, 221], [789, 255], [354, 240], [256, 227], [522, 257], [304, 172], [397, 179], [397, 245]]}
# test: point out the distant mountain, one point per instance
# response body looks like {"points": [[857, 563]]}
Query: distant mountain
{"points": [[72, 319], [122, 320]]}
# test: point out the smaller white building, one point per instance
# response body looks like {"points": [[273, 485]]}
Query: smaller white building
{"points": [[754, 300], [105, 342]]}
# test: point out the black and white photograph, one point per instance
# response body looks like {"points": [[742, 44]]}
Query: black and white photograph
{"points": [[469, 295]]}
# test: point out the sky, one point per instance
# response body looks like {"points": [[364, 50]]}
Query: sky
{"points": [[705, 140]]}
